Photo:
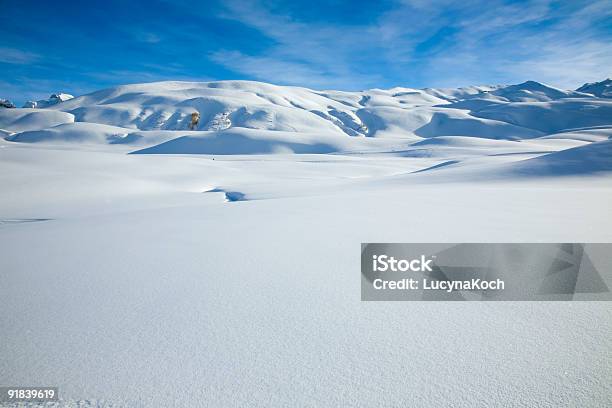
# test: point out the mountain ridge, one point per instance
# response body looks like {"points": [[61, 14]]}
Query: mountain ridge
{"points": [[145, 114]]}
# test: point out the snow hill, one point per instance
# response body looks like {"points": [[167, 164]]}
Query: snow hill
{"points": [[245, 117], [20, 120]]}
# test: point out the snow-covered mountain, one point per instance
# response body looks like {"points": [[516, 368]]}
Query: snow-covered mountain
{"points": [[150, 113], [395, 112], [6, 103], [602, 89], [52, 100]]}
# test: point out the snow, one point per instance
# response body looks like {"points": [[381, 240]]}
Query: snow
{"points": [[74, 132], [251, 141], [144, 264], [20, 120], [554, 116], [532, 91], [52, 100], [592, 158], [602, 89], [5, 103]]}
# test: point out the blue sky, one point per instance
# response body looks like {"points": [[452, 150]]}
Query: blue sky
{"points": [[78, 47]]}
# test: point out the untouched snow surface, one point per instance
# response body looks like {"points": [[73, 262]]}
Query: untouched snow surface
{"points": [[146, 265]]}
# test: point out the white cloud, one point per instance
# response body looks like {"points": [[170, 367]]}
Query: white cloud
{"points": [[570, 65], [315, 54], [486, 42], [15, 56], [285, 72]]}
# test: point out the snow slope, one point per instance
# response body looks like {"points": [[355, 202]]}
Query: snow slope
{"points": [[20, 120], [81, 132], [603, 89], [587, 159], [552, 117], [252, 141]]}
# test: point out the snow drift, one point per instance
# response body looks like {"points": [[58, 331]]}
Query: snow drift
{"points": [[20, 120], [80, 132], [582, 160]]}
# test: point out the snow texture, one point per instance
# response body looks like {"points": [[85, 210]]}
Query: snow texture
{"points": [[144, 264]]}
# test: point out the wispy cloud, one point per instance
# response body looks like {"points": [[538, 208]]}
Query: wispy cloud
{"points": [[266, 67], [568, 65], [343, 45], [432, 43], [24, 89], [561, 46], [315, 54], [15, 56], [150, 73], [290, 71], [147, 37]]}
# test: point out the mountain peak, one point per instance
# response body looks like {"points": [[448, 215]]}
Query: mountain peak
{"points": [[602, 89], [52, 100]]}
